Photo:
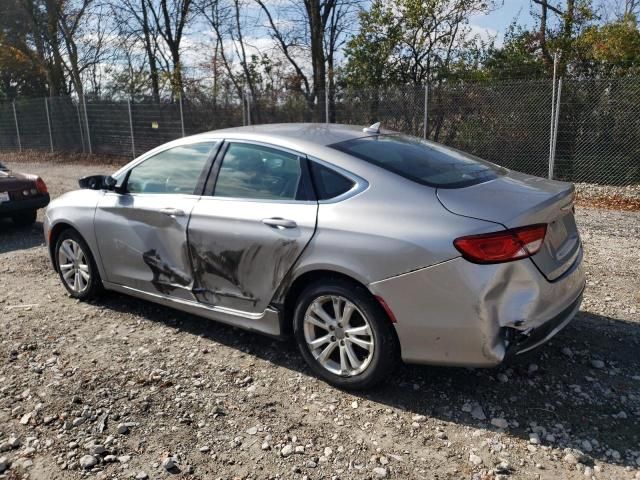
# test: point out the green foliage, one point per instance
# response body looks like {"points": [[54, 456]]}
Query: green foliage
{"points": [[516, 57], [412, 41], [370, 51], [612, 49], [20, 72]]}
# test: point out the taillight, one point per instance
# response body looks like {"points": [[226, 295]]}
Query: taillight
{"points": [[41, 186], [503, 246]]}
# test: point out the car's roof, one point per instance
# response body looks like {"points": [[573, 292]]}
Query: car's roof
{"points": [[312, 139], [317, 133]]}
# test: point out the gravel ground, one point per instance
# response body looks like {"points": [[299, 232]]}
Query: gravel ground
{"points": [[121, 388]]}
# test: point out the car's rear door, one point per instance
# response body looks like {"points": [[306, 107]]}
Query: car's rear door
{"points": [[142, 230], [246, 234]]}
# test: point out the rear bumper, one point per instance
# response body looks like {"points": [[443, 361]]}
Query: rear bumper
{"points": [[522, 342], [10, 208], [462, 314]]}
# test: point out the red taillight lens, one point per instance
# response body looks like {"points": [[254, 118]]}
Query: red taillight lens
{"points": [[502, 246], [41, 186]]}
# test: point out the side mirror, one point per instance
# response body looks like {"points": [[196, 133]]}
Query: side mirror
{"points": [[98, 182], [109, 182]]}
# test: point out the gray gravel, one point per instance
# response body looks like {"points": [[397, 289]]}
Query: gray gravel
{"points": [[142, 389]]}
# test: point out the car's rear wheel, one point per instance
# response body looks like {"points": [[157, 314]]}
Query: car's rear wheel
{"points": [[24, 219], [344, 335], [76, 266]]}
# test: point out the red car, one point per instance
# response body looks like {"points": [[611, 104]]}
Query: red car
{"points": [[21, 195]]}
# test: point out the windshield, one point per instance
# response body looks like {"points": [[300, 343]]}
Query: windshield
{"points": [[424, 162]]}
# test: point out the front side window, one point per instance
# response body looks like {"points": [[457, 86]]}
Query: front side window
{"points": [[257, 172], [424, 162], [177, 170]]}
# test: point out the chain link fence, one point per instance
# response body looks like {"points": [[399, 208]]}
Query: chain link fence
{"points": [[576, 130], [598, 134]]}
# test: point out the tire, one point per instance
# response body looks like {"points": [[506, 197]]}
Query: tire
{"points": [[371, 365], [83, 286], [25, 219]]}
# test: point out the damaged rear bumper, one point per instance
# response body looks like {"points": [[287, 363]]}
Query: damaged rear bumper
{"points": [[463, 314], [518, 343]]}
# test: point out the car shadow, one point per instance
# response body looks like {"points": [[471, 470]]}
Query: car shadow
{"points": [[13, 237], [554, 391]]}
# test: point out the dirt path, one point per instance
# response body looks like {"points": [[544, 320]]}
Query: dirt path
{"points": [[128, 384]]}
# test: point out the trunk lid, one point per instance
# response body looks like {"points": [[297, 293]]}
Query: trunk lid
{"points": [[517, 200], [11, 181]]}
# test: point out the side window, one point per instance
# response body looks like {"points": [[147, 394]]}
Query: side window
{"points": [[329, 183], [176, 170], [257, 172]]}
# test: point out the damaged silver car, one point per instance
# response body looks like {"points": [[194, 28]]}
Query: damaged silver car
{"points": [[366, 245]]}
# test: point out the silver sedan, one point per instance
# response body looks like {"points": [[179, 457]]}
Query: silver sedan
{"points": [[366, 245]]}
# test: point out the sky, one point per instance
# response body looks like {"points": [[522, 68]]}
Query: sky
{"points": [[491, 25], [497, 21]]}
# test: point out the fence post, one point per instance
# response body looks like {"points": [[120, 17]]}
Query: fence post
{"points": [[553, 114], [15, 117], [326, 103], [46, 107], [426, 109], [80, 125], [555, 131], [86, 121], [244, 121], [181, 114], [133, 142], [248, 97]]}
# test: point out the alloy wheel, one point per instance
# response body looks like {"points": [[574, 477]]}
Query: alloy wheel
{"points": [[74, 266], [338, 335]]}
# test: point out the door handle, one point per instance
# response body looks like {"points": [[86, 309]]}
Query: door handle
{"points": [[280, 223], [173, 212]]}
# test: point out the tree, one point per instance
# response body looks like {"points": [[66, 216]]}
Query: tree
{"points": [[21, 71], [612, 49], [135, 28], [315, 28], [42, 17], [410, 41], [171, 18], [82, 30]]}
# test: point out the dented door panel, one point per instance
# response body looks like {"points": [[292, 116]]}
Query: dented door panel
{"points": [[142, 245], [238, 260]]}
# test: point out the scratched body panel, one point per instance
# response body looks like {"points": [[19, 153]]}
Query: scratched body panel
{"points": [[144, 248], [238, 261]]}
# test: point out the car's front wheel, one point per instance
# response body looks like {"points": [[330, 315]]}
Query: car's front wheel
{"points": [[344, 335], [76, 266]]}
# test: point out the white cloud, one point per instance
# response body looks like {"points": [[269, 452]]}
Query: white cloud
{"points": [[484, 33]]}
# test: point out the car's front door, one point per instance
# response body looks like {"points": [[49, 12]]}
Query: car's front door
{"points": [[245, 236], [142, 230]]}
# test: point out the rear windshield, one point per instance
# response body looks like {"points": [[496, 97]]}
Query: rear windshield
{"points": [[421, 161], [2, 167]]}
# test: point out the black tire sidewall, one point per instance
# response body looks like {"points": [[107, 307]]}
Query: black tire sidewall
{"points": [[385, 352], [94, 282]]}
